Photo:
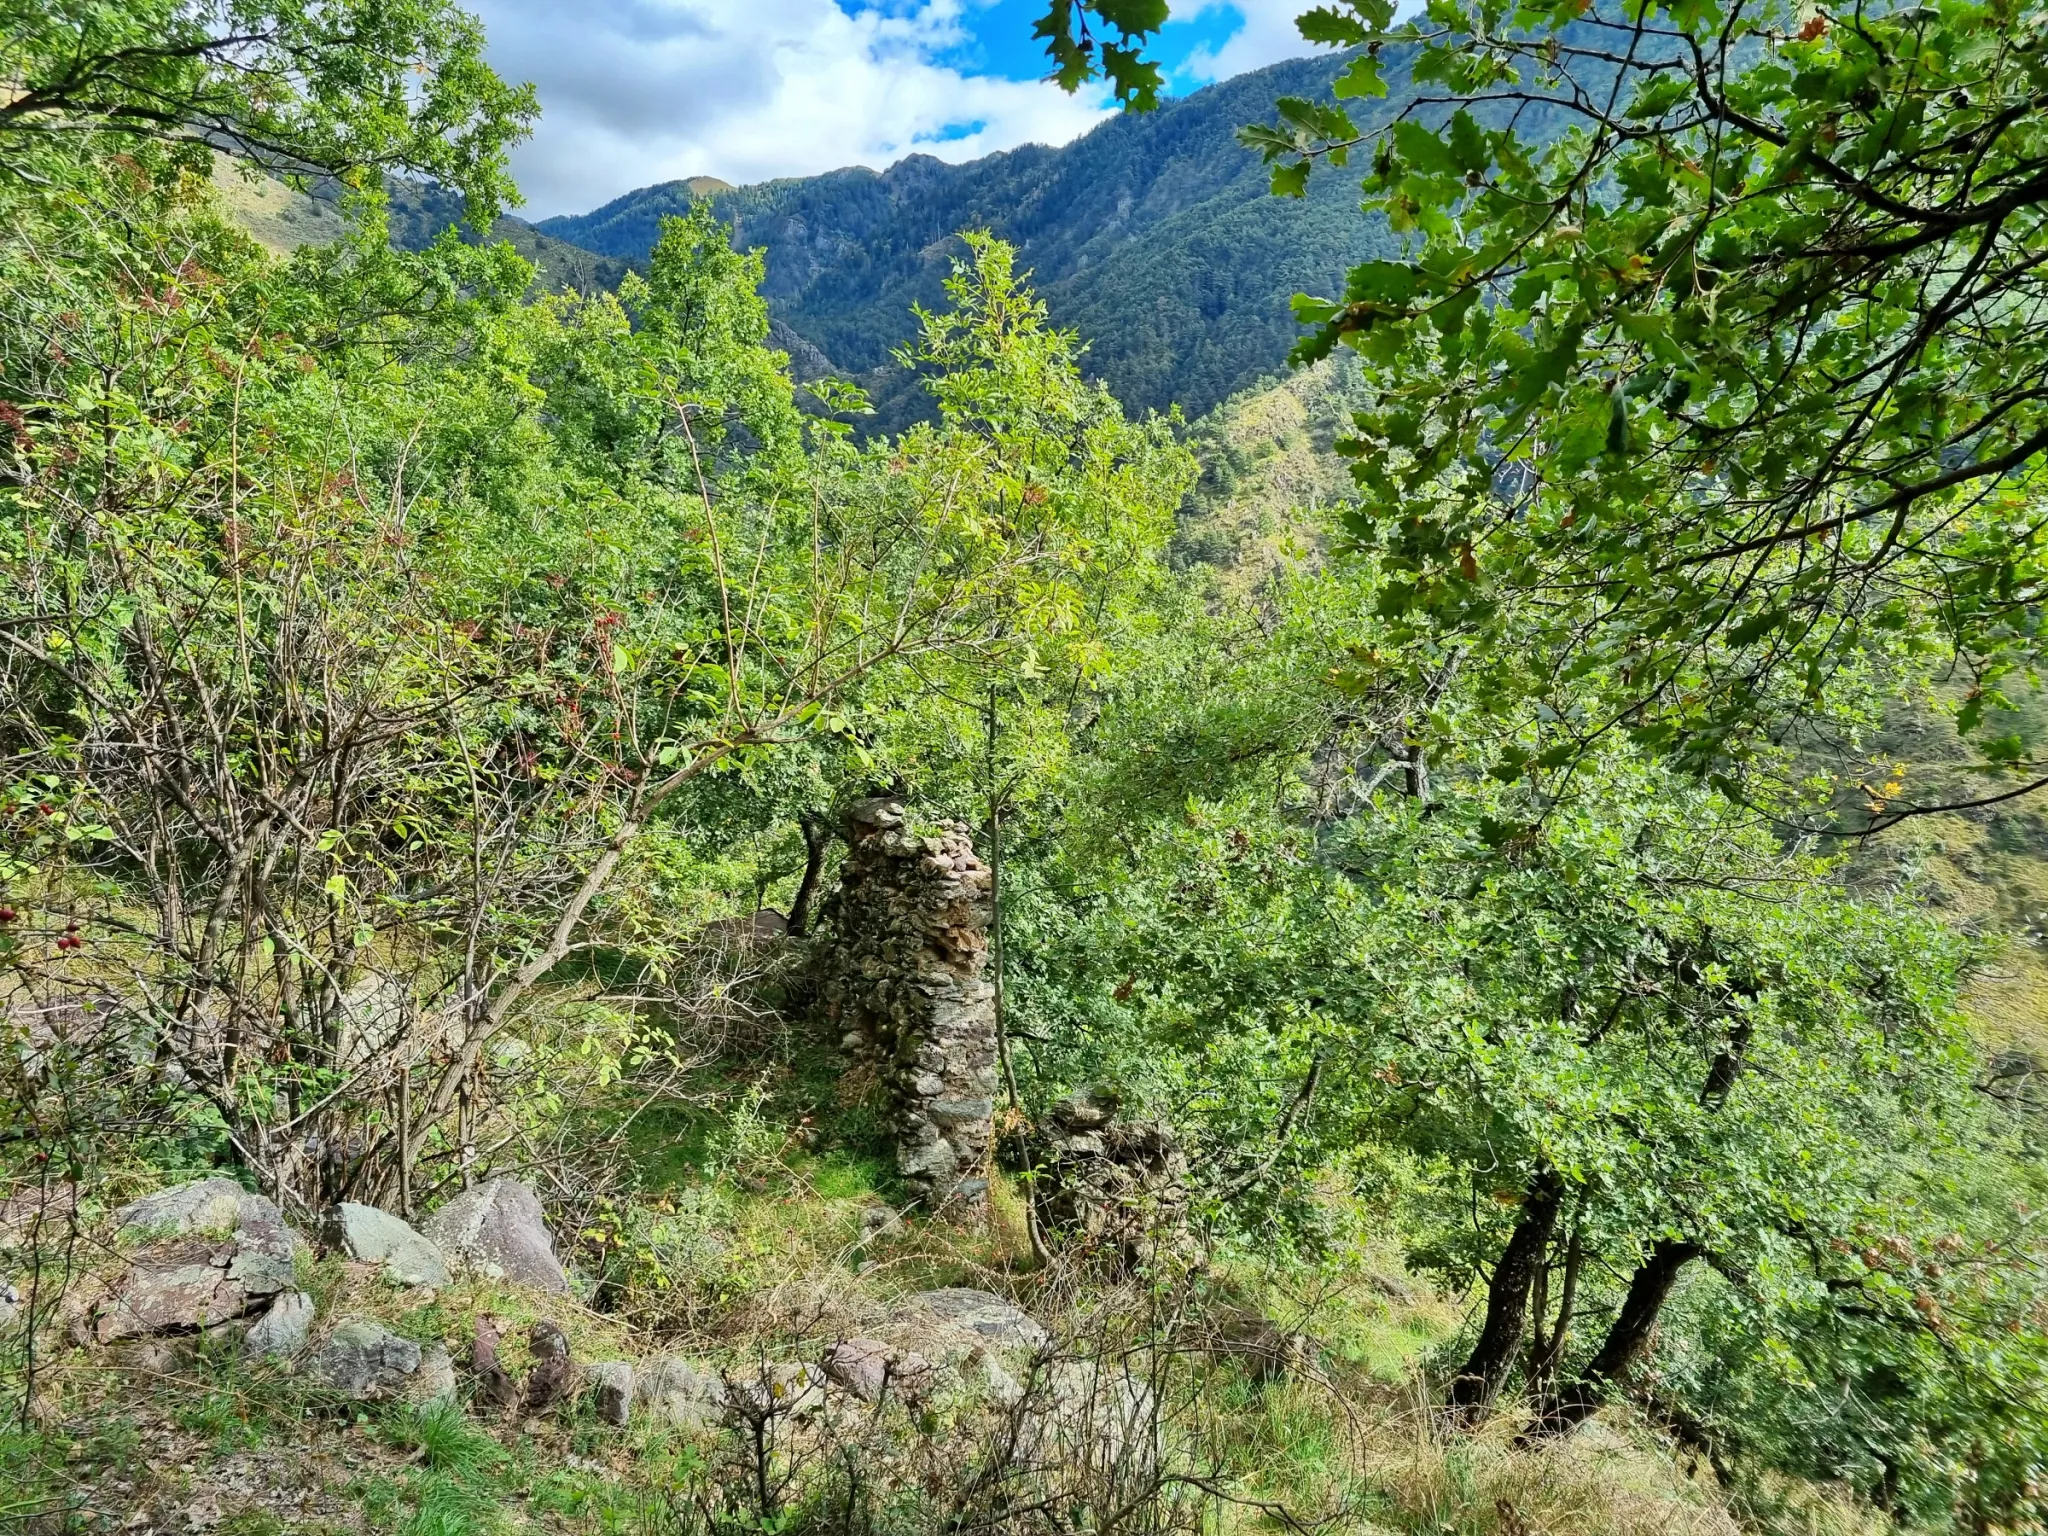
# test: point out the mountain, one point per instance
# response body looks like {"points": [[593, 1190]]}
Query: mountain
{"points": [[419, 212], [1154, 236]]}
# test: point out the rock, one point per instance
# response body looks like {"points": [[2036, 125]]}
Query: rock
{"points": [[762, 928], [868, 1368], [775, 1392], [494, 1383], [282, 1330], [10, 1305], [434, 1381], [679, 1393], [209, 1207], [554, 1374], [371, 1236], [1109, 1190], [1086, 1109], [1095, 1414], [497, 1230], [979, 1312], [611, 1384], [37, 1213], [984, 1376], [879, 1221], [1267, 1351], [371, 1363], [202, 1254], [1394, 1290], [173, 1287]]}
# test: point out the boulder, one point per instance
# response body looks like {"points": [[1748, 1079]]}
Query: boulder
{"points": [[676, 1391], [371, 1236], [611, 1384], [1267, 1351], [553, 1376], [372, 1364], [282, 1330], [978, 1312], [173, 1287], [205, 1206], [434, 1381], [1092, 1413], [497, 1230], [868, 1368], [200, 1254]]}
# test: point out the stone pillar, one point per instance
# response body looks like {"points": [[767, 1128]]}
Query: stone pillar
{"points": [[902, 978]]}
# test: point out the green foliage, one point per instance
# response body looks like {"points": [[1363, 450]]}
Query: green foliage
{"points": [[1710, 345], [355, 89]]}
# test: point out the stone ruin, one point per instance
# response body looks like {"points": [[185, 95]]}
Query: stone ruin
{"points": [[901, 976], [1110, 1189]]}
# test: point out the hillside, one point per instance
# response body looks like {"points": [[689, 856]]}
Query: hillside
{"points": [[1154, 236]]}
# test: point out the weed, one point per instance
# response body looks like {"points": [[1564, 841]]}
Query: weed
{"points": [[445, 1439]]}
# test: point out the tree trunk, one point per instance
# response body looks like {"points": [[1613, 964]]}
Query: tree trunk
{"points": [[1546, 1349], [1478, 1382], [817, 830], [1627, 1341]]}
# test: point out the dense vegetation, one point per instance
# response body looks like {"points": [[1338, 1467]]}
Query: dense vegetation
{"points": [[407, 673]]}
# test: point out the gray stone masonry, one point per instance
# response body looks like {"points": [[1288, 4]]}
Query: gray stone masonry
{"points": [[902, 980]]}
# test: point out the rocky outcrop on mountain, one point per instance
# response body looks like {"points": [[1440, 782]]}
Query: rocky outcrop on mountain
{"points": [[902, 980]]}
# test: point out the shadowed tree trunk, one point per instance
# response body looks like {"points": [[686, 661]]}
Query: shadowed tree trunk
{"points": [[1479, 1380], [1628, 1337], [817, 830], [1627, 1341]]}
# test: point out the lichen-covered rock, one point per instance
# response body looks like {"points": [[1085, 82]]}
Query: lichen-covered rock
{"points": [[611, 1386], [980, 1313], [209, 1207], [434, 1381], [371, 1236], [901, 978], [1093, 1413], [497, 1229], [370, 1363], [198, 1255], [868, 1368], [775, 1391], [678, 1392], [172, 1287], [282, 1330]]}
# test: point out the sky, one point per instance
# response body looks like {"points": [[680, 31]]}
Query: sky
{"points": [[639, 91]]}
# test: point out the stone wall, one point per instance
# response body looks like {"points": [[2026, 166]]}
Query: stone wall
{"points": [[901, 971]]}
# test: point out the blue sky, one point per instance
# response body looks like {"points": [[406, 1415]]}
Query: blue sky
{"points": [[639, 91]]}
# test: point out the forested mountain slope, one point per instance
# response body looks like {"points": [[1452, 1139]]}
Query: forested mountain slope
{"points": [[1154, 236]]}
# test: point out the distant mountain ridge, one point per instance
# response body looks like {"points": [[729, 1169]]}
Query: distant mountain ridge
{"points": [[1154, 236]]}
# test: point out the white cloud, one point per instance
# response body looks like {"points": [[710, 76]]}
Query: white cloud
{"points": [[639, 91], [1267, 34]]}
